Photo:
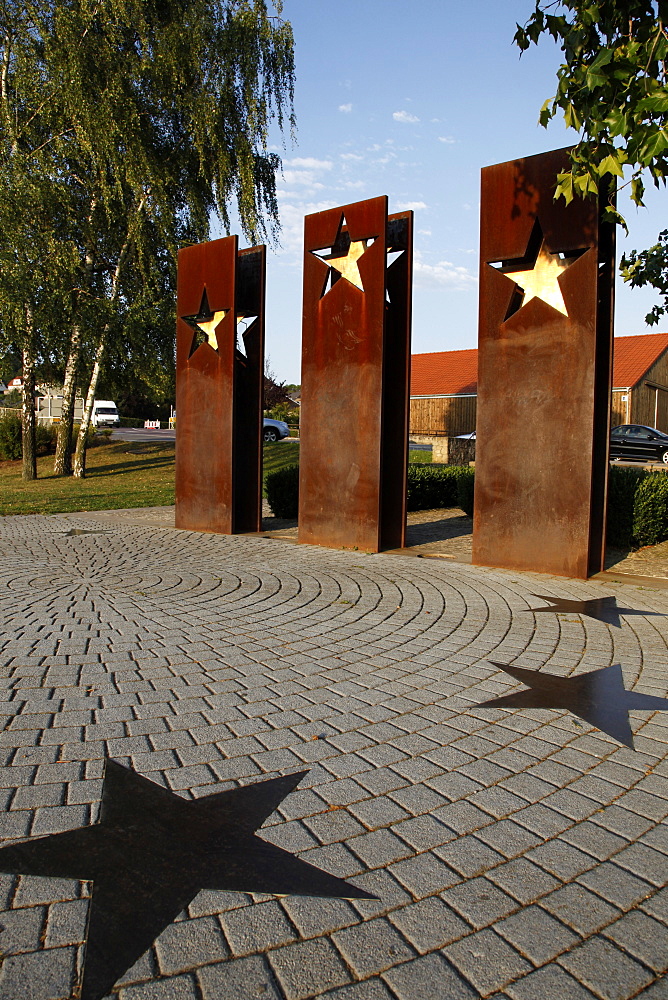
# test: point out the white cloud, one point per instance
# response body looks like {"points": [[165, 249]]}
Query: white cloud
{"points": [[411, 206], [305, 178], [346, 108], [424, 232], [405, 117], [447, 138], [351, 156], [309, 163], [443, 273]]}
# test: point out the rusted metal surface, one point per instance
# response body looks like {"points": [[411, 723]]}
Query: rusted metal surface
{"points": [[219, 385], [355, 377], [544, 373]]}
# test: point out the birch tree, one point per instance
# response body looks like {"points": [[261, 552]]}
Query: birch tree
{"points": [[153, 114]]}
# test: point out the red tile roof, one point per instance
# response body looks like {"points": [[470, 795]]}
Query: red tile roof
{"points": [[444, 373], [451, 373], [634, 356]]}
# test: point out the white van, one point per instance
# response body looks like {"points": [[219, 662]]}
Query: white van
{"points": [[105, 414]]}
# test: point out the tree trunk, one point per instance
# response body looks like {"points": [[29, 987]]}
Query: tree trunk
{"points": [[80, 453], [63, 463], [28, 421]]}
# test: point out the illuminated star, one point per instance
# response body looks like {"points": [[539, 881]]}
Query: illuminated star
{"points": [[152, 851], [206, 321], [602, 609], [541, 282], [347, 265], [598, 697], [536, 274]]}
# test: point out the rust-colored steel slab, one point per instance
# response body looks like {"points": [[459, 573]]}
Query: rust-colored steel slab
{"points": [[355, 377], [219, 387], [544, 373]]}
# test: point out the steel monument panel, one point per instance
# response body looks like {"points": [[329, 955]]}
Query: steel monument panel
{"points": [[219, 385], [355, 376], [544, 373]]}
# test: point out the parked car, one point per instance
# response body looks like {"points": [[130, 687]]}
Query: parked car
{"points": [[636, 442], [274, 430]]}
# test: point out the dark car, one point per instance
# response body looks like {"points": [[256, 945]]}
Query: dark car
{"points": [[636, 442]]}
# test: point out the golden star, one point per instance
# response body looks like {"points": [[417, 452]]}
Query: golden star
{"points": [[206, 322], [541, 282], [347, 266]]}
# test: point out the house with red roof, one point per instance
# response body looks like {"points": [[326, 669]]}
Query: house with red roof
{"points": [[444, 387]]}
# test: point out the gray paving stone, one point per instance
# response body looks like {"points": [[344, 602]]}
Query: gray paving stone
{"points": [[308, 967], [244, 977], [372, 947], [174, 988], [186, 944], [643, 937], [486, 961], [479, 902], [41, 975], [21, 930], [314, 917], [424, 875], [537, 936], [429, 924], [257, 928], [607, 971], [370, 989], [420, 979], [550, 981]]}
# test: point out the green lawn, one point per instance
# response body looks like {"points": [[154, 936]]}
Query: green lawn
{"points": [[124, 474]]}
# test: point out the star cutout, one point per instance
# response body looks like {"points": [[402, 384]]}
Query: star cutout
{"points": [[541, 279], [598, 697], [602, 609], [205, 323], [150, 854], [344, 255]]}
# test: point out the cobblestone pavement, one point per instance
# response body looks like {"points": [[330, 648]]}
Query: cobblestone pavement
{"points": [[516, 854]]}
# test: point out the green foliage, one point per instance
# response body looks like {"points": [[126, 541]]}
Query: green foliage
{"points": [[465, 488], [45, 439], [612, 91], [124, 127], [622, 487], [282, 488], [431, 487], [11, 400], [10, 437], [650, 512]]}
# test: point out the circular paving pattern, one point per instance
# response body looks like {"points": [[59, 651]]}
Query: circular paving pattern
{"points": [[515, 853]]}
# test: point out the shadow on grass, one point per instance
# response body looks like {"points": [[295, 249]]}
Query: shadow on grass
{"points": [[124, 467]]}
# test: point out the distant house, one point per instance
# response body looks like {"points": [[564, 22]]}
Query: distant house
{"points": [[444, 387]]}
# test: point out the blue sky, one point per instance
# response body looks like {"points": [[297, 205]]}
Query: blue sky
{"points": [[411, 100]]}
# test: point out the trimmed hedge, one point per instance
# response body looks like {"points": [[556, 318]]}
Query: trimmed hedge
{"points": [[430, 487], [622, 487], [650, 509], [282, 488]]}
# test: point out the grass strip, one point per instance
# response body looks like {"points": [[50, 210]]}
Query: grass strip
{"points": [[119, 475]]}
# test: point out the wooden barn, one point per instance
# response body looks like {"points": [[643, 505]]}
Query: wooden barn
{"points": [[444, 387]]}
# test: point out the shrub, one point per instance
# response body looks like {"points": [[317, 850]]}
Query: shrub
{"points": [[465, 487], [282, 488], [45, 438], [10, 437], [650, 509], [433, 486], [622, 487], [131, 422]]}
